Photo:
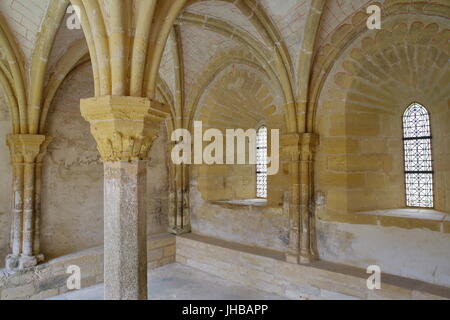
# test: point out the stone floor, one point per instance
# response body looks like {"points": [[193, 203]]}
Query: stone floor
{"points": [[179, 282]]}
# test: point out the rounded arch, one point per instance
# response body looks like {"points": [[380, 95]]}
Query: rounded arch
{"points": [[216, 68], [282, 63], [359, 164], [233, 77], [353, 28]]}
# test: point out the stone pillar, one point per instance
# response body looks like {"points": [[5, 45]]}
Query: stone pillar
{"points": [[27, 152], [125, 261], [124, 129], [298, 151]]}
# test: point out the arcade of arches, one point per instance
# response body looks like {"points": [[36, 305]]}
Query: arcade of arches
{"points": [[88, 108]]}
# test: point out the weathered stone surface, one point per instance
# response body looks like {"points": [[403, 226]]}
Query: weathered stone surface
{"points": [[22, 292], [125, 231], [317, 281]]}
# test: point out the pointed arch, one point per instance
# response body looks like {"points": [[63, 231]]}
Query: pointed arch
{"points": [[12, 78]]}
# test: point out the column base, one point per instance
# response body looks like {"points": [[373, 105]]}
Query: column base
{"points": [[178, 231], [19, 262], [26, 262], [292, 258], [12, 262], [305, 259], [300, 259]]}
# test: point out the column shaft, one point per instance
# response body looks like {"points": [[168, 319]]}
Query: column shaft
{"points": [[125, 230], [26, 151], [28, 219], [16, 229]]}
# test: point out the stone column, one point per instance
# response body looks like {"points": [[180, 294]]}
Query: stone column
{"points": [[125, 261], [27, 152], [290, 153], [309, 142], [179, 217], [124, 129], [298, 151]]}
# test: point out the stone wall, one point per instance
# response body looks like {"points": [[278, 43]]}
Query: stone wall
{"points": [[266, 270], [72, 191], [262, 226], [414, 253]]}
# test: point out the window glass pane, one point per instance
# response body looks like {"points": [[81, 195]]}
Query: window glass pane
{"points": [[418, 155], [419, 191], [261, 163], [418, 159], [416, 122]]}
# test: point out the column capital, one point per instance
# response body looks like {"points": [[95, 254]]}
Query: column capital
{"points": [[299, 145], [124, 127], [309, 143], [27, 148]]}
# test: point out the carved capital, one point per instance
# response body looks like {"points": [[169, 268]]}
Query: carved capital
{"points": [[124, 127], [299, 146], [27, 148], [309, 143], [290, 146]]}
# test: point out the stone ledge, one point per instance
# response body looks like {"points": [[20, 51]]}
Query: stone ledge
{"points": [[266, 270], [244, 203], [411, 218]]}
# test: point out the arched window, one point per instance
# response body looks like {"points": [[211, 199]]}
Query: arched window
{"points": [[261, 162], [418, 158]]}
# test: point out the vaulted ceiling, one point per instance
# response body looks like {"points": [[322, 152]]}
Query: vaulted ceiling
{"points": [[253, 32], [199, 43]]}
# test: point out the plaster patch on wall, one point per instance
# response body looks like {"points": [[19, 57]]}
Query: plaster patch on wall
{"points": [[419, 254], [72, 199], [341, 244], [265, 227]]}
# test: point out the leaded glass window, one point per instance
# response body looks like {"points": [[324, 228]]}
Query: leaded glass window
{"points": [[418, 159], [261, 163]]}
